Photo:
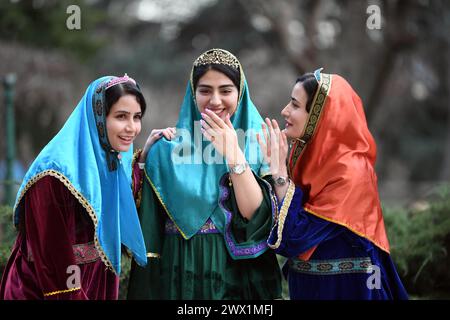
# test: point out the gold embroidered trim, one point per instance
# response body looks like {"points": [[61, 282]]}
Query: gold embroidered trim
{"points": [[162, 203], [81, 199], [313, 119], [136, 154], [153, 255], [61, 291], [133, 161], [139, 194], [349, 228], [283, 213]]}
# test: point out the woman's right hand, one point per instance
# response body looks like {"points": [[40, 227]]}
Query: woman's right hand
{"points": [[155, 135], [275, 147]]}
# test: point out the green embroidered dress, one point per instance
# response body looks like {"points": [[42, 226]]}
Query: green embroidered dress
{"points": [[201, 267], [198, 244]]}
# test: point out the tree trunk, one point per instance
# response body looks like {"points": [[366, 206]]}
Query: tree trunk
{"points": [[445, 172]]}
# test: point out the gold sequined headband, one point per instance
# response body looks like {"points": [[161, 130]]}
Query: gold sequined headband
{"points": [[217, 56]]}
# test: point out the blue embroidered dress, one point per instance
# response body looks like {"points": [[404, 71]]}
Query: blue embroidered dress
{"points": [[334, 237], [343, 265]]}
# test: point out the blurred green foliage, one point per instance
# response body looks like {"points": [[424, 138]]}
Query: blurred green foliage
{"points": [[420, 244], [7, 235], [419, 238], [43, 24]]}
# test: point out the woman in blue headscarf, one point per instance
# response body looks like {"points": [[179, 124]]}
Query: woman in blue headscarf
{"points": [[206, 208], [75, 207]]}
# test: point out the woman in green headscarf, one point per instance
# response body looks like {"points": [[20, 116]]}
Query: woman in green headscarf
{"points": [[206, 208]]}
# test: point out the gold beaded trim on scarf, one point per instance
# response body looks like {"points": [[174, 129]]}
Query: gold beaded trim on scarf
{"points": [[81, 199], [313, 119], [162, 203], [283, 214], [61, 291]]}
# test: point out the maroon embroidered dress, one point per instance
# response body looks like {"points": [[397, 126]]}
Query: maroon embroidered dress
{"points": [[55, 237], [75, 211]]}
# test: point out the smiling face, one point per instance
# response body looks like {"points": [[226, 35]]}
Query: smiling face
{"points": [[295, 112], [123, 122], [215, 91]]}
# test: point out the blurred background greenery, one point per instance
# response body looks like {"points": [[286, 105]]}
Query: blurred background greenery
{"points": [[401, 71]]}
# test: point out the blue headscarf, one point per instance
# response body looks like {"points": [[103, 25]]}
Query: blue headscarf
{"points": [[81, 157], [186, 185]]}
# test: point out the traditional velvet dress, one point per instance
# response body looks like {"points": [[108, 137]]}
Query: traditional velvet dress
{"points": [[330, 225], [56, 233], [198, 244], [343, 265], [74, 211]]}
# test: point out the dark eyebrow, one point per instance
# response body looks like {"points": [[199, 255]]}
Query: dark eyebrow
{"points": [[220, 87], [293, 99], [127, 112]]}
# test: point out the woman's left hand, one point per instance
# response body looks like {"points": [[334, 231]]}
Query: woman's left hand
{"points": [[222, 135]]}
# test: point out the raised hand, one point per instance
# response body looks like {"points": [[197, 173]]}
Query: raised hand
{"points": [[155, 135], [223, 136], [275, 147]]}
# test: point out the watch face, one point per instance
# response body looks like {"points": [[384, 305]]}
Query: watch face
{"points": [[239, 169], [280, 181]]}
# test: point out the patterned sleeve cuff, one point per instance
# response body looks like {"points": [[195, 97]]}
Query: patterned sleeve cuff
{"points": [[282, 216]]}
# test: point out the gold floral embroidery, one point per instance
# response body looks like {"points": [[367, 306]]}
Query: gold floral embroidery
{"points": [[283, 213], [313, 118], [86, 205]]}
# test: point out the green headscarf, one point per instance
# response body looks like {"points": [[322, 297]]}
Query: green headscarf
{"points": [[186, 184]]}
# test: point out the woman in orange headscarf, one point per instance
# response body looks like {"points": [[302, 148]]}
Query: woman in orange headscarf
{"points": [[330, 223]]}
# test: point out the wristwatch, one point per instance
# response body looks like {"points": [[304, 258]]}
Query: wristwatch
{"points": [[281, 181], [239, 168]]}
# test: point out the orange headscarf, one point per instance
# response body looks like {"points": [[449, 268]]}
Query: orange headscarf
{"points": [[335, 168]]}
